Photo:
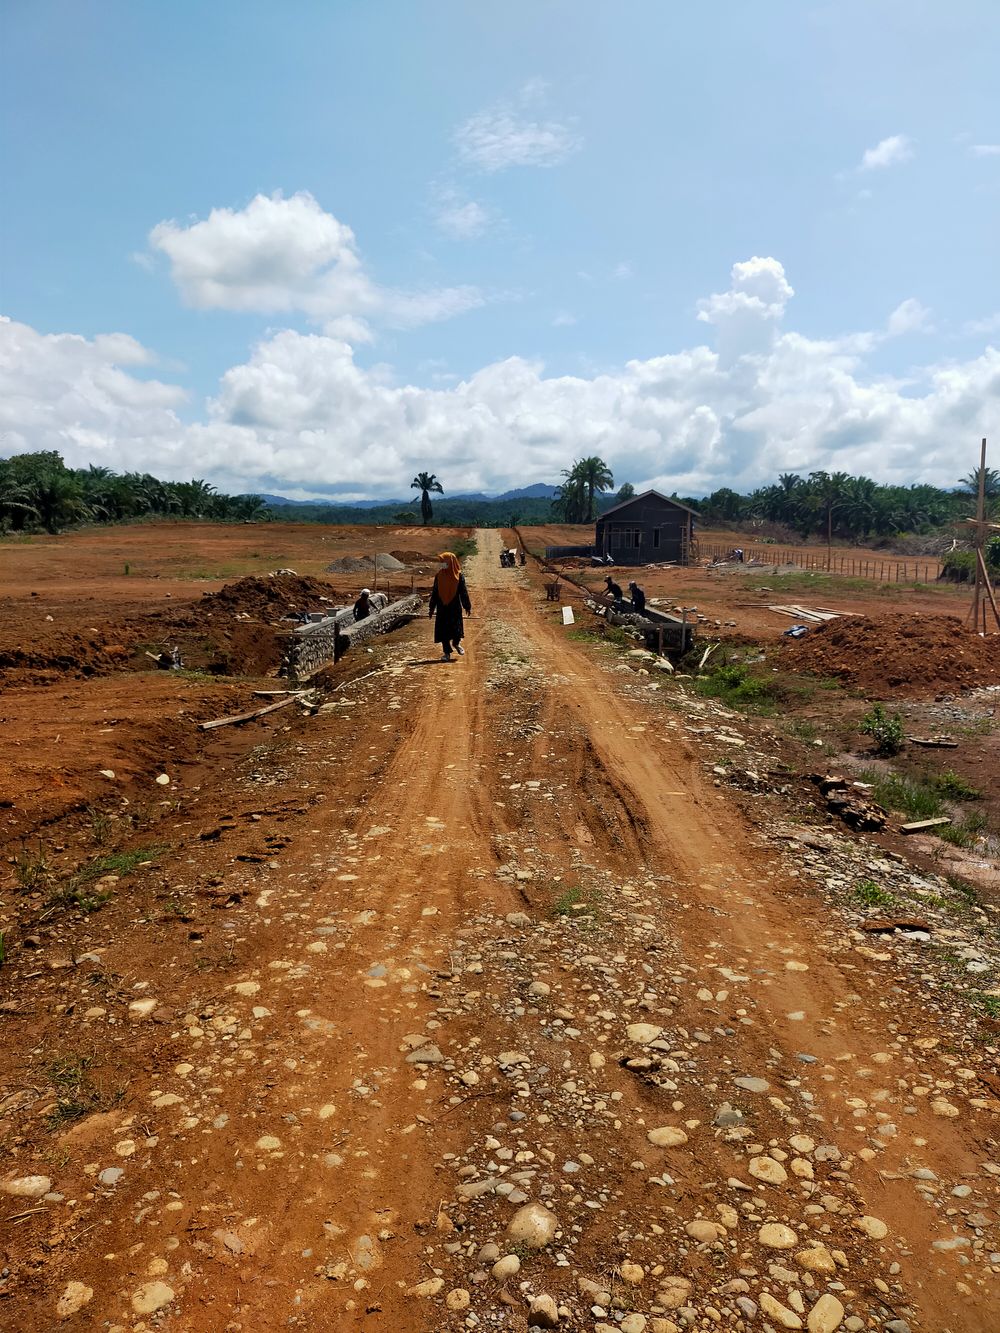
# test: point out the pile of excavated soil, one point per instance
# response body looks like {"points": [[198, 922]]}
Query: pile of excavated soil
{"points": [[897, 654], [364, 564], [269, 597], [59, 654], [405, 557]]}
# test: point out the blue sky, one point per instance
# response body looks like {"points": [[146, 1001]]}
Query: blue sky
{"points": [[545, 204]]}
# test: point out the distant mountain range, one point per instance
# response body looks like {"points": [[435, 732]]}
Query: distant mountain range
{"points": [[539, 491]]}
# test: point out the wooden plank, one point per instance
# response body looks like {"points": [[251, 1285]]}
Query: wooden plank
{"points": [[942, 742], [248, 717], [796, 614], [919, 825], [815, 613]]}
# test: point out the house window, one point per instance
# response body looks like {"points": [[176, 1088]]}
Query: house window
{"points": [[637, 538], [656, 539]]}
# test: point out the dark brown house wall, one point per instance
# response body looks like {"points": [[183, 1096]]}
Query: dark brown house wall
{"points": [[643, 532]]}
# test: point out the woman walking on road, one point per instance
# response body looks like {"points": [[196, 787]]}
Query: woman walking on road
{"points": [[448, 596]]}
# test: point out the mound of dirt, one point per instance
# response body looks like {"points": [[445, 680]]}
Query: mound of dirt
{"points": [[57, 655], [269, 597], [897, 654], [406, 557], [364, 564]]}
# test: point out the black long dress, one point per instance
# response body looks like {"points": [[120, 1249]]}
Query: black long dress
{"points": [[448, 625]]}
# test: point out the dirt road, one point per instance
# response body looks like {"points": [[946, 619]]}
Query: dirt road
{"points": [[493, 937]]}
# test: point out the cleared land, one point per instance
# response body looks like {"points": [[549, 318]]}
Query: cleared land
{"points": [[294, 1035]]}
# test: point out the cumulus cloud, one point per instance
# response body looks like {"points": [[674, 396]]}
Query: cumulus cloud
{"points": [[985, 149], [280, 255], [747, 315], [509, 134], [888, 152], [302, 413], [81, 397]]}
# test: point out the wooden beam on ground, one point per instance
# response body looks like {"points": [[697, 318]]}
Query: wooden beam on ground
{"points": [[248, 717], [919, 825]]}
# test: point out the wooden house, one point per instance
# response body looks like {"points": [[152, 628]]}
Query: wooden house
{"points": [[647, 529]]}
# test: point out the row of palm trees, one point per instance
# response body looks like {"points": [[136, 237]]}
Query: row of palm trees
{"points": [[835, 504], [38, 492]]}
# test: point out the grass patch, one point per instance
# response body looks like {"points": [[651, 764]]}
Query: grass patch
{"points": [[464, 547], [955, 786], [32, 869], [567, 901], [77, 893], [611, 635], [964, 832], [989, 1005], [736, 686], [76, 1093], [908, 796], [872, 894]]}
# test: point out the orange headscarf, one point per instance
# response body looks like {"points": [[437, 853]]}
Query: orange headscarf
{"points": [[447, 578]]}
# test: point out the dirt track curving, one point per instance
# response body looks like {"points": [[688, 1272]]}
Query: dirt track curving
{"points": [[397, 997]]}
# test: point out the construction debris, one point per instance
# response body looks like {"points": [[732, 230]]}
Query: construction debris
{"points": [[844, 800], [919, 825]]}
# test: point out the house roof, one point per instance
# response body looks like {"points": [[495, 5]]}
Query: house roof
{"points": [[633, 498]]}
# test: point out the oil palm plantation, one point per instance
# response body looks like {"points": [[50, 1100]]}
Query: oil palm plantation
{"points": [[425, 483]]}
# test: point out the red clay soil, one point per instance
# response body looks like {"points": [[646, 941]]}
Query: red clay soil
{"points": [[897, 654], [269, 597]]}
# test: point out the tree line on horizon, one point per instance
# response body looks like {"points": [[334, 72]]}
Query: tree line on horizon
{"points": [[38, 492]]}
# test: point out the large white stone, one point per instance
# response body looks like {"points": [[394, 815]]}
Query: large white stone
{"points": [[534, 1225], [27, 1187], [667, 1136], [826, 1315], [151, 1296], [75, 1296]]}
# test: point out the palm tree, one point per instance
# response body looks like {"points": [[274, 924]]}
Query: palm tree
{"points": [[425, 482], [828, 490], [625, 492], [17, 508], [570, 500], [596, 476], [59, 500], [971, 482]]}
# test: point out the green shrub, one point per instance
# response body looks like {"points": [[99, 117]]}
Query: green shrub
{"points": [[885, 729], [959, 567]]}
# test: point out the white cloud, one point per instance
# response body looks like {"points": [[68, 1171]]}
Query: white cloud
{"points": [[300, 412], [888, 152], [563, 320], [507, 135], [985, 149], [457, 216], [279, 255], [909, 317], [622, 270]]}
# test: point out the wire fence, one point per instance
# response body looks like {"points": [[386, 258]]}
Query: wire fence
{"points": [[878, 568]]}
